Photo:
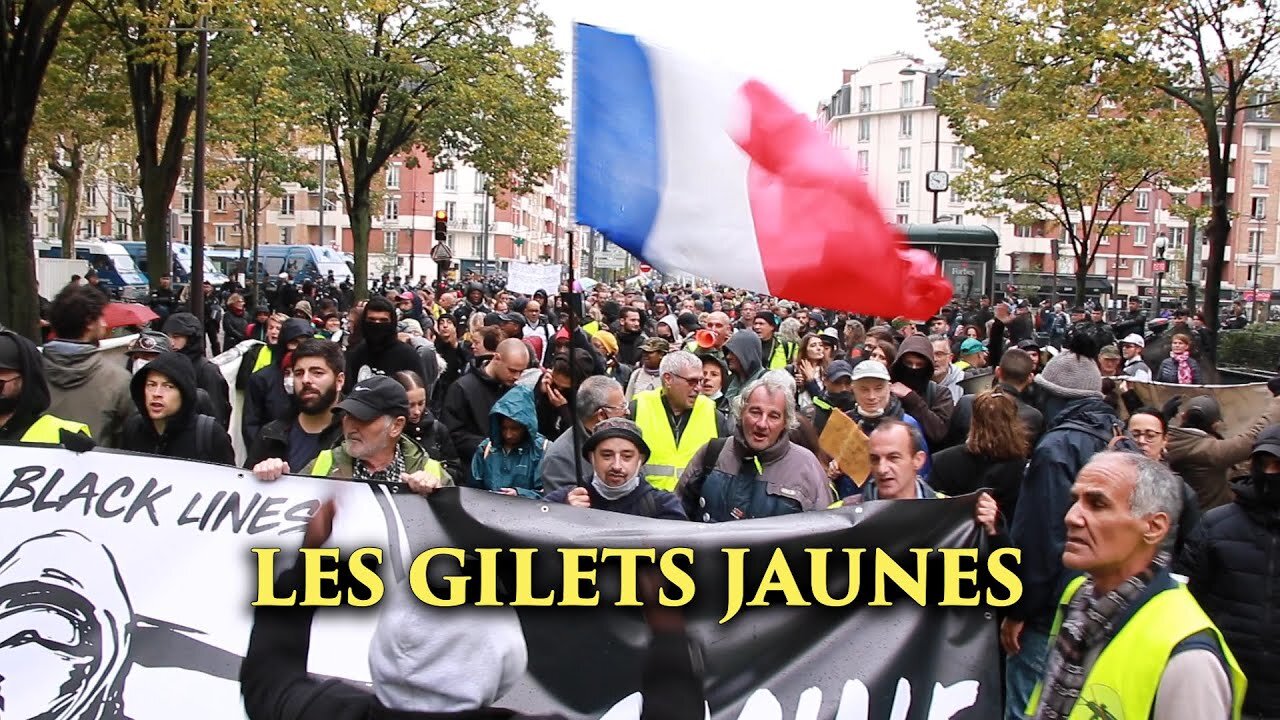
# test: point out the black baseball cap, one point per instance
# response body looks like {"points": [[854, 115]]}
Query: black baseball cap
{"points": [[839, 370], [1029, 345], [374, 397], [768, 317], [1268, 441], [10, 353]]}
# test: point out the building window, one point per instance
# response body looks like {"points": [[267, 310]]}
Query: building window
{"points": [[864, 129], [91, 196], [1104, 240], [448, 240], [1262, 99], [450, 179], [1260, 172], [391, 241], [1251, 274], [864, 98], [1258, 208], [55, 228], [864, 159], [908, 93], [904, 192], [957, 157], [1139, 267], [122, 197], [481, 180], [186, 202], [220, 235], [54, 199], [904, 159], [1255, 242], [477, 213], [393, 176], [286, 235], [122, 229], [1022, 231], [904, 126], [1177, 237], [1139, 235], [953, 197], [902, 219], [477, 245], [1262, 140], [391, 209], [88, 228], [220, 202], [1142, 201], [286, 205], [451, 211]]}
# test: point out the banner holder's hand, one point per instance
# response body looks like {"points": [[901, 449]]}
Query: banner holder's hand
{"points": [[320, 526], [579, 497], [422, 482], [271, 469], [986, 512]]}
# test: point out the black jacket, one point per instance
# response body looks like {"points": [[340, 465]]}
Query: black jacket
{"points": [[629, 347], [962, 417], [276, 685], [956, 471], [187, 435], [273, 440], [235, 328], [466, 413], [264, 397], [644, 501], [387, 360], [34, 400], [1232, 563], [208, 376], [433, 436]]}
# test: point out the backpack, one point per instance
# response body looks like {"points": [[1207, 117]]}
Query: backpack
{"points": [[204, 425], [709, 457]]}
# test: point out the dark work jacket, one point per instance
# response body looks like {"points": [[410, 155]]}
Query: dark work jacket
{"points": [[1232, 563], [276, 685], [466, 413], [388, 360], [956, 471], [186, 435], [433, 436], [273, 440], [962, 417], [235, 328], [644, 501]]}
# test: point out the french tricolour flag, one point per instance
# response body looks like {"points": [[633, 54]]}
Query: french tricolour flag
{"points": [[696, 170]]}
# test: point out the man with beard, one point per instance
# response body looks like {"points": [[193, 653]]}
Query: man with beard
{"points": [[467, 402], [317, 375], [266, 395], [472, 304], [630, 336], [24, 396], [913, 386], [186, 336], [380, 351]]}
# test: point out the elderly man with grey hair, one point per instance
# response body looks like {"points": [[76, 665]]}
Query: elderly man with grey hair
{"points": [[1127, 636], [599, 398], [758, 472]]}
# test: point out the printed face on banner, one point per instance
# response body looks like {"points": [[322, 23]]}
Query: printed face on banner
{"points": [[98, 620]]}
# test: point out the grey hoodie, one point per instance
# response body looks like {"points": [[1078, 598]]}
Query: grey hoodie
{"points": [[745, 345], [85, 387]]}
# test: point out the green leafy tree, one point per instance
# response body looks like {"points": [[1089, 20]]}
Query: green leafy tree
{"points": [[29, 34], [1058, 143], [81, 113], [383, 77]]}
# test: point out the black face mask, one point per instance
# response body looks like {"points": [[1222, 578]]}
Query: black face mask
{"points": [[378, 334], [841, 399], [915, 378], [1266, 484], [9, 405]]}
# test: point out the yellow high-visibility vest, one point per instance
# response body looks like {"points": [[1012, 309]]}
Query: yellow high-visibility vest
{"points": [[667, 460], [46, 430]]}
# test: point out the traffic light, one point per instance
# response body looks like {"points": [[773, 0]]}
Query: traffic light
{"points": [[442, 226]]}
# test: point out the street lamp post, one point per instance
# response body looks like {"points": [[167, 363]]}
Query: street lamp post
{"points": [[1161, 242], [1257, 262], [937, 180], [1115, 287]]}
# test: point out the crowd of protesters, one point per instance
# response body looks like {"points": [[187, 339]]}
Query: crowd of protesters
{"points": [[709, 405]]}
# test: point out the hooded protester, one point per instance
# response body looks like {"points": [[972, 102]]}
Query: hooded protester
{"points": [[606, 343], [742, 353], [615, 452], [24, 396], [452, 354], [1198, 452], [1232, 566], [468, 401], [508, 460], [714, 372], [380, 351], [167, 423], [84, 386], [64, 580], [410, 332], [186, 336], [471, 304], [913, 386], [267, 396], [667, 328], [235, 324]]}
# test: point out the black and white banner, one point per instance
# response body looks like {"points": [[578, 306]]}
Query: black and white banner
{"points": [[126, 582]]}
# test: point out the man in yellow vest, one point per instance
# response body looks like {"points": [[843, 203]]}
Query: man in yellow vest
{"points": [[777, 353], [1129, 641], [24, 398], [676, 420], [374, 447]]}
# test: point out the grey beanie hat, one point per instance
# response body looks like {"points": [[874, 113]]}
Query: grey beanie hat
{"points": [[1071, 376]]}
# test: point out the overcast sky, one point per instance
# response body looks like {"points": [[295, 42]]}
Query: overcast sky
{"points": [[797, 46]]}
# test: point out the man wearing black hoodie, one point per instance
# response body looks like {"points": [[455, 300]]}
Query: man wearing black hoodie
{"points": [[168, 424], [265, 397], [743, 354], [187, 337], [473, 303], [468, 401], [380, 351], [912, 376], [24, 396]]}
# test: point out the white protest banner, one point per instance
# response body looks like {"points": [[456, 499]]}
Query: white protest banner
{"points": [[528, 278]]}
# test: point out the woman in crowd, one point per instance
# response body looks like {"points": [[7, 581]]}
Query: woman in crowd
{"points": [[883, 351], [994, 455], [423, 427], [1150, 432], [809, 370], [1180, 368]]}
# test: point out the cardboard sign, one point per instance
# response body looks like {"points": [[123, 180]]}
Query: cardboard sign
{"points": [[843, 440]]}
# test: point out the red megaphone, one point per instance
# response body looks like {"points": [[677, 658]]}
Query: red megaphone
{"points": [[706, 339]]}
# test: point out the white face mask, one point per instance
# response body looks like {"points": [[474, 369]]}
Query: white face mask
{"points": [[288, 384]]}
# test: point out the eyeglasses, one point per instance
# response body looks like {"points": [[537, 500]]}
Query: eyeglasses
{"points": [[691, 380]]}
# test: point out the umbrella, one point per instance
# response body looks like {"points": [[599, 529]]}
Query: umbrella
{"points": [[119, 314]]}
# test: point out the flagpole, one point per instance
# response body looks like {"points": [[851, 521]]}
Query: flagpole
{"points": [[573, 299]]}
